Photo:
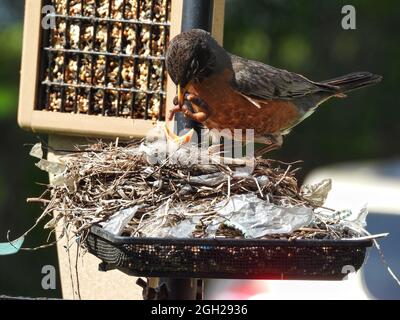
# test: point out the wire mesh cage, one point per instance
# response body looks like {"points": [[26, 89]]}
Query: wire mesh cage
{"points": [[99, 68], [106, 58], [229, 258]]}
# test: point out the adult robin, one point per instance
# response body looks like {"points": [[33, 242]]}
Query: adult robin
{"points": [[230, 92]]}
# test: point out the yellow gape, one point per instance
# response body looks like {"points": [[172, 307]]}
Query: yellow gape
{"points": [[171, 136]]}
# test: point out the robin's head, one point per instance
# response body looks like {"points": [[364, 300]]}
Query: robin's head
{"points": [[191, 57]]}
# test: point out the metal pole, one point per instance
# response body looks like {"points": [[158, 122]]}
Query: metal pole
{"points": [[180, 289], [197, 14]]}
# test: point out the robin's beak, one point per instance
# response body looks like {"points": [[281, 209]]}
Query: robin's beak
{"points": [[181, 95]]}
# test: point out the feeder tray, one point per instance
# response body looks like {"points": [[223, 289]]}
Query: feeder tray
{"points": [[228, 258]]}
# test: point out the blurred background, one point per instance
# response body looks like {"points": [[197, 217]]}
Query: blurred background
{"points": [[303, 36]]}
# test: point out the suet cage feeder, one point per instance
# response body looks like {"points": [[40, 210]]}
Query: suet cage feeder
{"points": [[99, 69]]}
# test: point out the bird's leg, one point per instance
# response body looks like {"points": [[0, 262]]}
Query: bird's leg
{"points": [[275, 141]]}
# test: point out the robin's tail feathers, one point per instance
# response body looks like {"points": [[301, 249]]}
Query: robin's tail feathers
{"points": [[353, 81]]}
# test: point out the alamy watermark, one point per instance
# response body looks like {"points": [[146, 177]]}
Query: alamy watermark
{"points": [[347, 270], [349, 19], [49, 281], [49, 20]]}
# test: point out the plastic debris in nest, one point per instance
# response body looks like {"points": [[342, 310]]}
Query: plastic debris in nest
{"points": [[11, 247], [317, 193], [155, 190], [248, 214], [118, 221]]}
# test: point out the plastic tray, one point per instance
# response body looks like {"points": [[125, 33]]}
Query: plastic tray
{"points": [[228, 258]]}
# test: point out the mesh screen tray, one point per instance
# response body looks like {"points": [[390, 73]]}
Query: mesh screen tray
{"points": [[228, 258]]}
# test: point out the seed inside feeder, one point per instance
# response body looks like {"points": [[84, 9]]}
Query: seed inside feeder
{"points": [[107, 58]]}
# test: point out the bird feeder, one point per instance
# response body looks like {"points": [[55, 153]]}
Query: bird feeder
{"points": [[96, 68]]}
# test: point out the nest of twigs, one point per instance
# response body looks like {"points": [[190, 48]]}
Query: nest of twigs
{"points": [[93, 183]]}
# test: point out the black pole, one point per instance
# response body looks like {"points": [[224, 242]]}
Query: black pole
{"points": [[180, 289], [197, 14]]}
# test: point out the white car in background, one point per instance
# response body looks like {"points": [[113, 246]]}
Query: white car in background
{"points": [[376, 184]]}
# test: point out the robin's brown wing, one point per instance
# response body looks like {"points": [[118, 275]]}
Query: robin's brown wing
{"points": [[261, 81]]}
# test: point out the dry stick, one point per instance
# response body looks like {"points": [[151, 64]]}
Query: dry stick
{"points": [[282, 162], [77, 272], [284, 176], [40, 247], [31, 200], [70, 265], [313, 230], [259, 188], [390, 271], [229, 187], [45, 212]]}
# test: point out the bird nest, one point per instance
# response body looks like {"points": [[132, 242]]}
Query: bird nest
{"points": [[148, 191]]}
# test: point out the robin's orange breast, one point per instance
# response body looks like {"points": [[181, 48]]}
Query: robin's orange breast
{"points": [[231, 110]]}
